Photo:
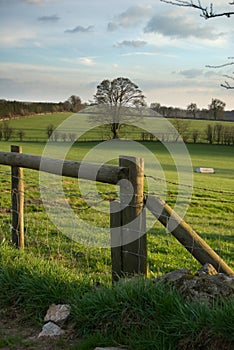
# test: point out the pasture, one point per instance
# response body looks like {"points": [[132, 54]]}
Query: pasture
{"points": [[55, 268], [34, 129], [210, 208]]}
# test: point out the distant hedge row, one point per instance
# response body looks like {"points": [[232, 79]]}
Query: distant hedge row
{"points": [[12, 109]]}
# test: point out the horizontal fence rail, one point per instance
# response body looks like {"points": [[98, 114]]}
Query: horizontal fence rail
{"points": [[90, 171], [127, 216]]}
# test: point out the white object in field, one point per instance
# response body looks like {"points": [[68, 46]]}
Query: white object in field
{"points": [[205, 170]]}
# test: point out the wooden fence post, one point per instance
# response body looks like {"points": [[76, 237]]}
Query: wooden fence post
{"points": [[128, 226], [199, 249], [116, 240], [17, 187]]}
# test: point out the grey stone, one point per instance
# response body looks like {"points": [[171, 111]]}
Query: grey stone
{"points": [[58, 313], [207, 269], [50, 329], [206, 285], [174, 275]]}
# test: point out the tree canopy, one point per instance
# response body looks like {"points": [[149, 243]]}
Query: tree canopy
{"points": [[117, 95], [119, 92], [217, 108]]}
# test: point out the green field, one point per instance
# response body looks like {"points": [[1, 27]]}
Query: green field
{"points": [[35, 128], [210, 209], [56, 269]]}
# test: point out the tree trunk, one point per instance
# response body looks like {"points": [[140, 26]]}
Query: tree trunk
{"points": [[115, 130]]}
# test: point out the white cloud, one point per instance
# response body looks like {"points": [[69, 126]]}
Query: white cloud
{"points": [[140, 53], [16, 38], [87, 61], [80, 29], [132, 17], [131, 43], [52, 18], [173, 24], [191, 73], [111, 27], [35, 1]]}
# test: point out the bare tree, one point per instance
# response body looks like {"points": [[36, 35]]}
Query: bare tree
{"points": [[218, 131], [182, 126], [195, 135], [216, 108], [192, 108], [21, 134], [7, 131], [226, 84], [49, 130], [205, 11], [209, 134]]}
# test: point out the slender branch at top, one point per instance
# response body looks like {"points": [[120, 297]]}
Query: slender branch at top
{"points": [[227, 86], [206, 12], [220, 66]]}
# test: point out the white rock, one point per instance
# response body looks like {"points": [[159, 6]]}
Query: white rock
{"points": [[51, 330], [205, 170], [57, 313]]}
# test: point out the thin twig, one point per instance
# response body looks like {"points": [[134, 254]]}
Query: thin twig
{"points": [[206, 12]]}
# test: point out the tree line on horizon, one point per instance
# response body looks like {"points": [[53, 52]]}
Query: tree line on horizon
{"points": [[11, 109], [215, 111], [116, 96], [120, 97]]}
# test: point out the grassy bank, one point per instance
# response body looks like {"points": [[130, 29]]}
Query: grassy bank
{"points": [[136, 313]]}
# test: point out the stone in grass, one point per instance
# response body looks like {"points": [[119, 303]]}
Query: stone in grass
{"points": [[207, 269], [57, 313], [173, 276], [50, 329]]}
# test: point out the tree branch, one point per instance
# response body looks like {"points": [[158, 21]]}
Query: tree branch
{"points": [[227, 86], [220, 66], [206, 12]]}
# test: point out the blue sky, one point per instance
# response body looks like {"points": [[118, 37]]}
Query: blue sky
{"points": [[52, 49]]}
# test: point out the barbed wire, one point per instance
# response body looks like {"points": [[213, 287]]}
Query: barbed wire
{"points": [[108, 196], [189, 186]]}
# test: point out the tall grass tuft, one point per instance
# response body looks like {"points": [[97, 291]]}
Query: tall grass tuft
{"points": [[145, 315], [138, 313]]}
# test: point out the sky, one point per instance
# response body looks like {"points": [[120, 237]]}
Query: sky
{"points": [[52, 49]]}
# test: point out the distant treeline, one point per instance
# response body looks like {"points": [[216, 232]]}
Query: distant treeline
{"points": [[215, 111], [12, 109]]}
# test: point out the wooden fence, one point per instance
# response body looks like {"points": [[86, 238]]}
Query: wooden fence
{"points": [[127, 216]]}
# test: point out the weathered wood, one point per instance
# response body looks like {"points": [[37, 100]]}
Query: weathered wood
{"points": [[186, 235], [17, 187], [134, 249], [116, 240], [90, 171]]}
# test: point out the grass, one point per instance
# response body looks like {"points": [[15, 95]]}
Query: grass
{"points": [[136, 313], [35, 128], [200, 126], [209, 213], [56, 269]]}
